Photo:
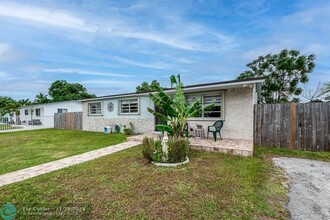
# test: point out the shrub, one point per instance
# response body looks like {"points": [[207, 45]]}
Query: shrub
{"points": [[157, 155], [149, 148], [129, 131], [178, 150]]}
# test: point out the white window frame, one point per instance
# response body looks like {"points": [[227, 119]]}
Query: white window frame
{"points": [[89, 108], [128, 113], [222, 112], [38, 110], [66, 110], [26, 111]]}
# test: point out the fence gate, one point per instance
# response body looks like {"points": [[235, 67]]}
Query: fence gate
{"points": [[69, 121], [293, 126]]}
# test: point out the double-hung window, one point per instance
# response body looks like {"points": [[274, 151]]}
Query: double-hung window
{"points": [[95, 108], [212, 105], [129, 106], [26, 112]]}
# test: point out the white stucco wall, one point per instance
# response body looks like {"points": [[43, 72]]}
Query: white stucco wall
{"points": [[237, 107], [48, 110], [143, 122], [238, 116]]}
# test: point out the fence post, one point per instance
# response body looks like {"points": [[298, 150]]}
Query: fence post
{"points": [[293, 118]]}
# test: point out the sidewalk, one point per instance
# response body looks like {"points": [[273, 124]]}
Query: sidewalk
{"points": [[20, 175]]}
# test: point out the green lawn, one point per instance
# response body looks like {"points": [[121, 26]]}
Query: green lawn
{"points": [[24, 149], [272, 151], [124, 186]]}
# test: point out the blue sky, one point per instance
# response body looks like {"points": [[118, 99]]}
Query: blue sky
{"points": [[112, 46]]}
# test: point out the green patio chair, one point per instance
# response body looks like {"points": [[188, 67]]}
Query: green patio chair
{"points": [[215, 128]]}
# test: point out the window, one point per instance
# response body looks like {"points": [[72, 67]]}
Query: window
{"points": [[62, 110], [95, 108], [38, 112], [26, 112], [129, 106], [214, 111]]}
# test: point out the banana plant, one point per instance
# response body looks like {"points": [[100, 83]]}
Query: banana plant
{"points": [[175, 109]]}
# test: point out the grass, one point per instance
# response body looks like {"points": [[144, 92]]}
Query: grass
{"points": [[24, 149], [124, 186], [272, 151]]}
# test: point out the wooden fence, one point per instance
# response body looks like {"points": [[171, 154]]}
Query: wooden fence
{"points": [[69, 121], [293, 126]]}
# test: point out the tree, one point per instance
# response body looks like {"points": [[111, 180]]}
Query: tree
{"points": [[318, 94], [4, 101], [24, 102], [326, 89], [283, 73], [13, 108], [61, 90], [41, 98], [145, 87], [176, 111]]}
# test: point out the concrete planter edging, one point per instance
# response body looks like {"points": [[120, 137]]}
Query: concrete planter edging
{"points": [[170, 164]]}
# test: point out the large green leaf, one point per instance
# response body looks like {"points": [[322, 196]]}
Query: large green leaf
{"points": [[166, 128]]}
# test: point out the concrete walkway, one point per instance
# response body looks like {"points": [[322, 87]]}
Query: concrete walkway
{"points": [[20, 175]]}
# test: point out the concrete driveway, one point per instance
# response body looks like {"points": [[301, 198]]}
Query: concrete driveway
{"points": [[309, 187]]}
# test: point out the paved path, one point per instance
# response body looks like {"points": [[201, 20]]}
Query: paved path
{"points": [[20, 175], [309, 188]]}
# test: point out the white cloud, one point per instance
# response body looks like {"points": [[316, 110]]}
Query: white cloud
{"points": [[4, 76], [109, 82], [43, 15], [85, 72], [4, 48], [9, 55], [122, 27], [157, 65]]}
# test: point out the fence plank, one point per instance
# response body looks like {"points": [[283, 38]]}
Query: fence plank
{"points": [[295, 126]]}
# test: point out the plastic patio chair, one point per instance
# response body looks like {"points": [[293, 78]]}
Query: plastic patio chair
{"points": [[215, 128]]}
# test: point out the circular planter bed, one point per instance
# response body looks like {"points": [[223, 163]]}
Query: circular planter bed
{"points": [[170, 164]]}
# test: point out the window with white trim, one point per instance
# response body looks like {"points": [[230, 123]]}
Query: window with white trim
{"points": [[62, 110], [129, 106], [38, 112], [26, 112], [214, 111], [95, 108]]}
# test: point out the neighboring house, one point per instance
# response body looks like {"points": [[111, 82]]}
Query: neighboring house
{"points": [[7, 119], [233, 100], [43, 114]]}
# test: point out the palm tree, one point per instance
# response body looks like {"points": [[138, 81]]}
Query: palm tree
{"points": [[321, 93], [12, 108], [41, 98], [24, 102]]}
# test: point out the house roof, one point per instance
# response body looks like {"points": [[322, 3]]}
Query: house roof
{"points": [[49, 103], [189, 88]]}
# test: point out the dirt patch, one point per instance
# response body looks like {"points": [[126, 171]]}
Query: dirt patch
{"points": [[309, 187]]}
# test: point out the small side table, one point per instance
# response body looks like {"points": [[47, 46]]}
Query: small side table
{"points": [[199, 132]]}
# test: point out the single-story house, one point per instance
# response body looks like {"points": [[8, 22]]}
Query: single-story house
{"points": [[43, 114], [233, 100]]}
